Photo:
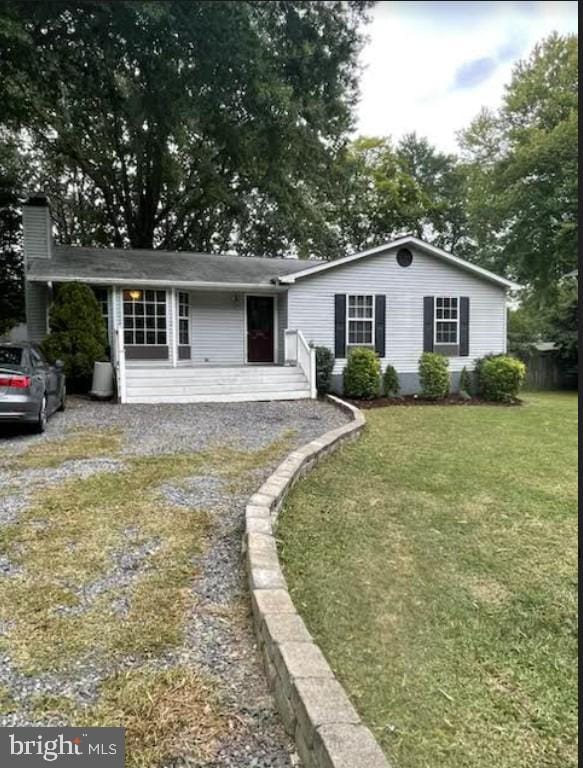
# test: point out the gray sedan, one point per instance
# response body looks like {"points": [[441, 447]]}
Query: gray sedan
{"points": [[30, 388]]}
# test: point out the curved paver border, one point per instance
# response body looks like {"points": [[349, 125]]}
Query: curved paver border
{"points": [[314, 708]]}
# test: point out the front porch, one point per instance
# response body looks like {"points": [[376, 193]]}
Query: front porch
{"points": [[207, 346]]}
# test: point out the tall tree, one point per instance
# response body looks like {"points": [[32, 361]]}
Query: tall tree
{"points": [[12, 176], [442, 188], [385, 190], [523, 171], [184, 124]]}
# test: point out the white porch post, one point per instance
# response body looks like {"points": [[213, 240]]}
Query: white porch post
{"points": [[174, 315], [290, 347], [120, 364], [313, 389]]}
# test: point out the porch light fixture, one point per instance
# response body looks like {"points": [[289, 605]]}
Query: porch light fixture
{"points": [[135, 295]]}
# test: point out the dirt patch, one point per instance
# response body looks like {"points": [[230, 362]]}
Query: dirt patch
{"points": [[488, 591]]}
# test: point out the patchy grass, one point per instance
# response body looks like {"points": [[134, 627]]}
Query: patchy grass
{"points": [[435, 562], [167, 714], [71, 537], [84, 527], [7, 702], [78, 444]]}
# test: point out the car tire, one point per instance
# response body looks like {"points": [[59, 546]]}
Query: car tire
{"points": [[41, 422], [63, 403]]}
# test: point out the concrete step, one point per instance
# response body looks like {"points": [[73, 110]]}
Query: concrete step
{"points": [[245, 397], [230, 381], [212, 373], [191, 388]]}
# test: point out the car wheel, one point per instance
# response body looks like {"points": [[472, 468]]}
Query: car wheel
{"points": [[62, 404], [41, 422]]}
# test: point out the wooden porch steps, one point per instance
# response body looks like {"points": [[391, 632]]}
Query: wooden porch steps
{"points": [[215, 385]]}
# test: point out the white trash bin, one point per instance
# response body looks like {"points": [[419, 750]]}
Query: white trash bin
{"points": [[102, 387]]}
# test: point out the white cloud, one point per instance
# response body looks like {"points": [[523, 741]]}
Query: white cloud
{"points": [[418, 51]]}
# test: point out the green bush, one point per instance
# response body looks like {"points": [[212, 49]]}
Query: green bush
{"points": [[501, 377], [362, 374], [466, 381], [324, 367], [434, 375], [391, 384], [77, 336]]}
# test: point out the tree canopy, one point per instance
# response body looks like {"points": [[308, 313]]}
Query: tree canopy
{"points": [[183, 124], [522, 171]]}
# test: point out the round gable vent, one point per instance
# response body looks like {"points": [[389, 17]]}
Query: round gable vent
{"points": [[404, 257]]}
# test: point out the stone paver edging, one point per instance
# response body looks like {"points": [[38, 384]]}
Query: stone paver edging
{"points": [[314, 708]]}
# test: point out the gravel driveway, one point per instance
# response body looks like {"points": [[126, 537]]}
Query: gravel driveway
{"points": [[217, 637]]}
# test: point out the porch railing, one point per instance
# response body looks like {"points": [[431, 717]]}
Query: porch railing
{"points": [[120, 364], [299, 352]]}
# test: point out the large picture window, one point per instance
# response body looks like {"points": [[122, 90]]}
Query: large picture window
{"points": [[144, 317], [183, 319], [446, 320], [360, 311]]}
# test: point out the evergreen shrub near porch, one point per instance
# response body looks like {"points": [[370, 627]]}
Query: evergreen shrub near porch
{"points": [[77, 334], [324, 368], [362, 374]]}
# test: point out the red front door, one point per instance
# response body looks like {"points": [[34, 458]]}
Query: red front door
{"points": [[260, 329]]}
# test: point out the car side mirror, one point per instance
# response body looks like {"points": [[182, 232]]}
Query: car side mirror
{"points": [[59, 364]]}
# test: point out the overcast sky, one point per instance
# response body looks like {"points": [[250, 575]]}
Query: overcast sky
{"points": [[430, 66]]}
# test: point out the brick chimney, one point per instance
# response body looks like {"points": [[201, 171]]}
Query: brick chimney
{"points": [[37, 228], [37, 243]]}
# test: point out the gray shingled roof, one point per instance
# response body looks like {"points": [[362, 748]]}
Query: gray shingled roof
{"points": [[111, 265]]}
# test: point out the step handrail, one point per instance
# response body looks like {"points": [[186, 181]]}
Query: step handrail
{"points": [[307, 361]]}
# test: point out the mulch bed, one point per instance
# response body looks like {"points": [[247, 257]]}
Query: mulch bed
{"points": [[412, 400]]}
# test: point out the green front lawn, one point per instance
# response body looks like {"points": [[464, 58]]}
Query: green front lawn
{"points": [[435, 562]]}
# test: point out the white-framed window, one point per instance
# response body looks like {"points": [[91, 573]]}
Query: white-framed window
{"points": [[144, 317], [360, 320], [183, 319], [446, 320]]}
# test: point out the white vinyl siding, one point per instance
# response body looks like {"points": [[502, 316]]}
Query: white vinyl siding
{"points": [[217, 329], [311, 305], [37, 240], [37, 309]]}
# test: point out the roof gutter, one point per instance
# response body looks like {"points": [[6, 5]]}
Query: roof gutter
{"points": [[201, 286]]}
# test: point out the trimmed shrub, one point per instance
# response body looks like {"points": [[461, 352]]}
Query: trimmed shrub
{"points": [[77, 336], [391, 384], [324, 367], [434, 375], [362, 374], [465, 381], [501, 377]]}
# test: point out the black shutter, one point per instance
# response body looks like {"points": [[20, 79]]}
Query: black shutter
{"points": [[380, 304], [464, 326], [340, 325], [428, 323]]}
